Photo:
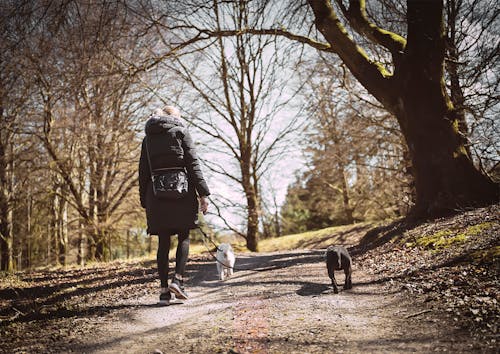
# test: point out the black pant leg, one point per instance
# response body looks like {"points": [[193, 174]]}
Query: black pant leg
{"points": [[162, 258], [182, 253]]}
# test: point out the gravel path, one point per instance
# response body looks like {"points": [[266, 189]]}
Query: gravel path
{"points": [[280, 303]]}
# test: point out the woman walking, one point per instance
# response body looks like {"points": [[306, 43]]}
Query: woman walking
{"points": [[168, 156]]}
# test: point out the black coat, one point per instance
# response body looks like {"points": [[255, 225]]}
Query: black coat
{"points": [[170, 145]]}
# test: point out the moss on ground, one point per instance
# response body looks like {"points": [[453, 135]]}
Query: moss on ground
{"points": [[446, 238]]}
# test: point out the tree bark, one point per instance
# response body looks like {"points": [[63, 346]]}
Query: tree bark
{"points": [[5, 228], [92, 233], [6, 186], [9, 250], [252, 224], [127, 244], [29, 236], [445, 177], [99, 245], [62, 232], [81, 243], [251, 193], [53, 225], [456, 92]]}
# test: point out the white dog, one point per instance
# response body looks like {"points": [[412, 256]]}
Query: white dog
{"points": [[225, 260]]}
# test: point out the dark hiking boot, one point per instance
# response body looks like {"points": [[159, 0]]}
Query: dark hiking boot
{"points": [[165, 297], [177, 288]]}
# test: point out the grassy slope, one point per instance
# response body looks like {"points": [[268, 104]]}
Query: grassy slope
{"points": [[343, 235], [445, 234], [347, 235]]}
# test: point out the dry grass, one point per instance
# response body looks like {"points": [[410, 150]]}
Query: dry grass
{"points": [[340, 235]]}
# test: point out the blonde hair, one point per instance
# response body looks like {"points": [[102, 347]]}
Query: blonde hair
{"points": [[168, 110], [172, 111]]}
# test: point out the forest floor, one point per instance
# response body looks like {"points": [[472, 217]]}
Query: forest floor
{"points": [[417, 287]]}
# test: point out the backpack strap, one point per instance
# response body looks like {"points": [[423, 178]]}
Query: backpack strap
{"points": [[149, 159]]}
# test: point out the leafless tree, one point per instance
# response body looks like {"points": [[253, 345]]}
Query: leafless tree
{"points": [[239, 97], [76, 133], [409, 75], [13, 95], [356, 152], [99, 117], [472, 58]]}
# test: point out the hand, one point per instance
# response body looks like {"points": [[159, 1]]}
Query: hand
{"points": [[203, 205]]}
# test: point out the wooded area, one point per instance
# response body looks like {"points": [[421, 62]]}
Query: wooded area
{"points": [[393, 105]]}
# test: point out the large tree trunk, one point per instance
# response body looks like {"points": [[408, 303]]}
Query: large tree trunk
{"points": [[445, 177]]}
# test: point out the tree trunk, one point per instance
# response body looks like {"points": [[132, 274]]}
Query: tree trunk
{"points": [[108, 256], [49, 243], [62, 230], [5, 228], [9, 241], [252, 237], [100, 245], [29, 205], [81, 244], [6, 186], [54, 220], [92, 230], [251, 193], [456, 92], [128, 244], [252, 226], [55, 224], [445, 177], [345, 198], [277, 223]]}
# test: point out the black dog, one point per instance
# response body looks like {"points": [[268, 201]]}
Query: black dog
{"points": [[338, 258]]}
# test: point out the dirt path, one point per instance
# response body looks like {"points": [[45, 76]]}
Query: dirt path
{"points": [[287, 308]]}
